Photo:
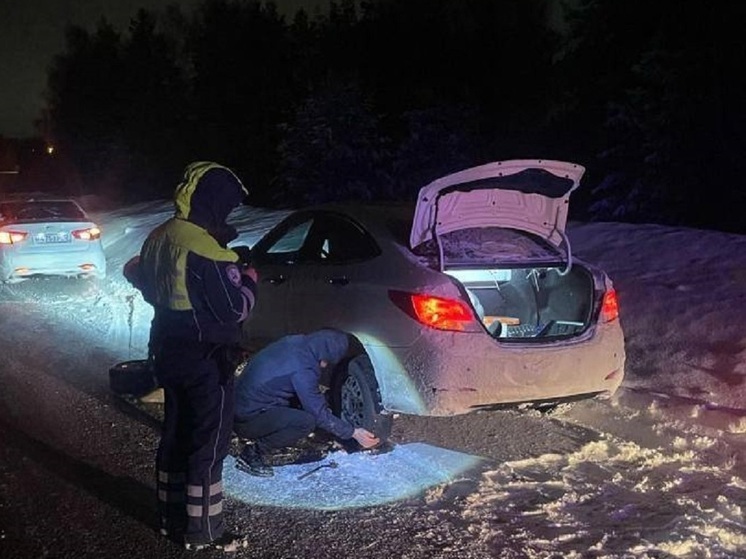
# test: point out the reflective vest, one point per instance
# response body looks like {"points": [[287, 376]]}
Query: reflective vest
{"points": [[164, 259]]}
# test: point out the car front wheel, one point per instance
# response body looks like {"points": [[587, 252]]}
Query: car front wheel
{"points": [[356, 398]]}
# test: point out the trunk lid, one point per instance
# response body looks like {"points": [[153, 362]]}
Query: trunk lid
{"points": [[529, 195]]}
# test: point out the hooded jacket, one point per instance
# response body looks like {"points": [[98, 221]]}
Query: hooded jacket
{"points": [[289, 368], [194, 283]]}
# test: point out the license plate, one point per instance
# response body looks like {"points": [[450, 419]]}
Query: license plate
{"points": [[53, 238]]}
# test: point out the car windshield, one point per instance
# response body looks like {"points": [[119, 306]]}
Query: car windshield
{"points": [[41, 210]]}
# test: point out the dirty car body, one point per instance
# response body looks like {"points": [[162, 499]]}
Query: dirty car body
{"points": [[471, 299]]}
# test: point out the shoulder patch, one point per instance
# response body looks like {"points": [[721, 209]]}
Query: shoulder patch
{"points": [[234, 274]]}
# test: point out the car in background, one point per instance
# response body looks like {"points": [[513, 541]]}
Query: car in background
{"points": [[471, 299], [48, 236]]}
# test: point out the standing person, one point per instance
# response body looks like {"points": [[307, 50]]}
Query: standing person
{"points": [[200, 297], [285, 370]]}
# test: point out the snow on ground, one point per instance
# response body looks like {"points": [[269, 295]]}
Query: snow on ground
{"points": [[682, 294], [612, 498], [665, 477]]}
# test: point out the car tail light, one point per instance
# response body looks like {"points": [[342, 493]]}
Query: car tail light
{"points": [[610, 306], [436, 312], [12, 237], [89, 234]]}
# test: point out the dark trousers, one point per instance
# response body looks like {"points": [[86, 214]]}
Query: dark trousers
{"points": [[275, 427], [198, 388]]}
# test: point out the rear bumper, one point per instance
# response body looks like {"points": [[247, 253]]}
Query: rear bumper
{"points": [[447, 373], [72, 263]]}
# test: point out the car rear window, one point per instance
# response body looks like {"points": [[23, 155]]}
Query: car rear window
{"points": [[41, 210], [488, 245]]}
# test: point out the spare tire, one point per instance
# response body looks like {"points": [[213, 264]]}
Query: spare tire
{"points": [[356, 398], [132, 377]]}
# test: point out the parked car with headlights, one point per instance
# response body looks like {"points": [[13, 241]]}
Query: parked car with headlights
{"points": [[48, 236], [469, 299]]}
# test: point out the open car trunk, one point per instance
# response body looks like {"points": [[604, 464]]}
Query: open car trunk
{"points": [[519, 286], [534, 303], [499, 229]]}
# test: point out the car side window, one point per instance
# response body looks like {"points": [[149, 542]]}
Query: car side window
{"points": [[337, 240], [288, 246]]}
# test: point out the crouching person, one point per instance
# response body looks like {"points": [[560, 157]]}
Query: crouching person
{"points": [[283, 372]]}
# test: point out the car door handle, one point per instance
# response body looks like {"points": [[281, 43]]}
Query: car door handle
{"points": [[338, 281], [275, 280]]}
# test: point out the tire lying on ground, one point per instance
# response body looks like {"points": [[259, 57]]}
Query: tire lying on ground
{"points": [[355, 397], [132, 377]]}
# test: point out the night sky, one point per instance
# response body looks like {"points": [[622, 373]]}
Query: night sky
{"points": [[32, 32]]}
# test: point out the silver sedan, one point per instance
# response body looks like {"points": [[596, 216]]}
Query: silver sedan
{"points": [[470, 299]]}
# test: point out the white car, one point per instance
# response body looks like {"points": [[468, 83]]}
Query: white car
{"points": [[48, 236], [470, 300]]}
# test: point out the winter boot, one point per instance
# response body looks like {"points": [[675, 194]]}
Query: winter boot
{"points": [[252, 462], [227, 543]]}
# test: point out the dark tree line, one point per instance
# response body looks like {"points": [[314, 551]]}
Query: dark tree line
{"points": [[371, 100]]}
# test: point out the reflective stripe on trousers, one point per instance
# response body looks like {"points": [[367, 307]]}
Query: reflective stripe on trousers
{"points": [[200, 502], [171, 488]]}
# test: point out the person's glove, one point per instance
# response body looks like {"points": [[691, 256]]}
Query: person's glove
{"points": [[250, 272]]}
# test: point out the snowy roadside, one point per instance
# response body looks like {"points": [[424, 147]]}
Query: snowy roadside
{"points": [[682, 296]]}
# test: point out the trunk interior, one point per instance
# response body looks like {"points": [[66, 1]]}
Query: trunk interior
{"points": [[530, 303]]}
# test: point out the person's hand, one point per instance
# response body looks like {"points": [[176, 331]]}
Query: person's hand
{"points": [[365, 438], [250, 272]]}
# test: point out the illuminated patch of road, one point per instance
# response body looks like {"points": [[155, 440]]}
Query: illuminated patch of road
{"points": [[359, 480]]}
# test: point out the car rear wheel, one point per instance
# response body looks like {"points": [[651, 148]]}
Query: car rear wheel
{"points": [[357, 399]]}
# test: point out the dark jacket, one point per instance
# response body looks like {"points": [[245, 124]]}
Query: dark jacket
{"points": [[289, 368], [194, 284]]}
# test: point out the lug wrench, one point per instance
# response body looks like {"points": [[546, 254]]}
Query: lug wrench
{"points": [[331, 464]]}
